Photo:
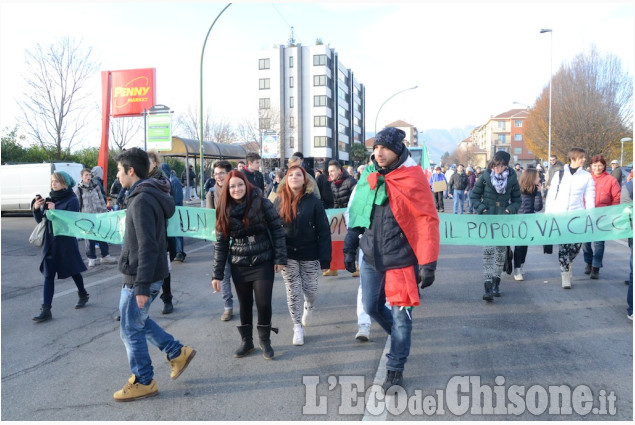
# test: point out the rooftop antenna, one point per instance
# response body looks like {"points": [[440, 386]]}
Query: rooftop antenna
{"points": [[291, 38]]}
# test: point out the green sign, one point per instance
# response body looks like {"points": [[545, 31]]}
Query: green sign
{"points": [[159, 131], [597, 224]]}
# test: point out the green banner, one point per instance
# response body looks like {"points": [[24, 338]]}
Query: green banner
{"points": [[598, 224]]}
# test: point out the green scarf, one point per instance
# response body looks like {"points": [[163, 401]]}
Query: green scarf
{"points": [[365, 197]]}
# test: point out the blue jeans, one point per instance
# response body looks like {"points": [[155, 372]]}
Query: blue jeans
{"points": [[459, 201], [593, 258], [396, 321], [136, 328], [90, 249], [226, 286], [179, 244], [470, 208]]}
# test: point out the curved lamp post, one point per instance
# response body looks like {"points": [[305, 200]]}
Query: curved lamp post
{"points": [[542, 31], [382, 105], [201, 101]]}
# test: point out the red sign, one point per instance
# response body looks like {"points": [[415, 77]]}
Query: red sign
{"points": [[132, 91]]}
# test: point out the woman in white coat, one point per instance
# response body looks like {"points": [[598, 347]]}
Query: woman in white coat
{"points": [[571, 189]]}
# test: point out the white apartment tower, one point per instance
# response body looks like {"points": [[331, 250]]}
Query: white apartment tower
{"points": [[311, 101]]}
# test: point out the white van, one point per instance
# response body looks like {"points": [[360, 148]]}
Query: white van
{"points": [[20, 183]]}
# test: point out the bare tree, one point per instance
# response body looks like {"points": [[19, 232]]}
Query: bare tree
{"points": [[56, 107], [223, 132], [248, 131], [188, 124], [123, 129], [592, 108]]}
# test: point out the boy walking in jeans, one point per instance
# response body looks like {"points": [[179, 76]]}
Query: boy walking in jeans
{"points": [[143, 264]]}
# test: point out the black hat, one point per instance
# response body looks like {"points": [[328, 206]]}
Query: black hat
{"points": [[391, 138], [502, 157]]}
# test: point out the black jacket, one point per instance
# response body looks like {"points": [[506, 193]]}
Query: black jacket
{"points": [[256, 178], [459, 181], [308, 236], [143, 260], [326, 194], [530, 202], [384, 244], [251, 246], [484, 195], [342, 193]]}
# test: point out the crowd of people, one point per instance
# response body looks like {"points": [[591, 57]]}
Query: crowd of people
{"points": [[276, 222]]}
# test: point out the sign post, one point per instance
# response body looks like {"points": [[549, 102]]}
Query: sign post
{"points": [[159, 128]]}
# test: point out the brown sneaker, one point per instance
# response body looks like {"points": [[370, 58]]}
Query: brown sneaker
{"points": [[330, 272], [179, 364], [227, 315], [136, 391]]}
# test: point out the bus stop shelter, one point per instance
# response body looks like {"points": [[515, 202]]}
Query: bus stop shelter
{"points": [[191, 148]]}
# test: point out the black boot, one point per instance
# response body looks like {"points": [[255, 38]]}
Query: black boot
{"points": [[45, 314], [264, 333], [595, 273], [83, 299], [166, 295], [488, 296], [247, 346], [393, 377], [495, 283], [587, 268]]}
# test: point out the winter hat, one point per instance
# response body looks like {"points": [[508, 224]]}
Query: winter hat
{"points": [[70, 183], [97, 172], [502, 157], [391, 138]]}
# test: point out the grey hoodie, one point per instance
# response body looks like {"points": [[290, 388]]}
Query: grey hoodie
{"points": [[143, 260]]}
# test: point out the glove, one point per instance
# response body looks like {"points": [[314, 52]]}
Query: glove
{"points": [[349, 262], [426, 277]]}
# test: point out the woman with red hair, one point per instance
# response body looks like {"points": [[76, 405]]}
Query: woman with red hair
{"points": [[250, 236], [607, 193], [308, 238]]}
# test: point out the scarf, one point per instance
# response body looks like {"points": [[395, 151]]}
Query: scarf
{"points": [[58, 195], [499, 181]]}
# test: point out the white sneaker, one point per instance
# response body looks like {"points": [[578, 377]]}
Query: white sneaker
{"points": [[566, 279], [306, 316], [91, 262], [518, 274], [298, 335], [108, 259], [363, 333]]}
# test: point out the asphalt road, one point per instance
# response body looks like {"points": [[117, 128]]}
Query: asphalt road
{"points": [[535, 337]]}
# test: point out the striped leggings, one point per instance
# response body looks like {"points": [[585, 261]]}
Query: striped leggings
{"points": [[493, 261], [301, 280]]}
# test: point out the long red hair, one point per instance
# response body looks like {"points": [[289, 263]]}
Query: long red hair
{"points": [[289, 201], [225, 202]]}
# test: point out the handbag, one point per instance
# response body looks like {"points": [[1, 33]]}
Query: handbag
{"points": [[37, 236]]}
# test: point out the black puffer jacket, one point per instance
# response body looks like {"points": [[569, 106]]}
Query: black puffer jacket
{"points": [[309, 235], [484, 195], [342, 193], [256, 178], [251, 246], [530, 202]]}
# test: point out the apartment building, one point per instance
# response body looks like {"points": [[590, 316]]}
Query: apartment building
{"points": [[505, 132], [309, 102]]}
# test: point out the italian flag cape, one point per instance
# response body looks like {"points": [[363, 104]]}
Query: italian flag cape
{"points": [[410, 198]]}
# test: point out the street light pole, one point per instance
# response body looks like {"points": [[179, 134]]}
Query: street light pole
{"points": [[382, 105], [625, 139], [201, 102], [542, 31]]}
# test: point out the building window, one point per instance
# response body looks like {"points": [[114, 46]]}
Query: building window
{"points": [[291, 122], [290, 61], [291, 101], [291, 82], [319, 80], [320, 141], [518, 151], [265, 123], [291, 142], [265, 83], [265, 103], [319, 100], [518, 137], [501, 125], [263, 63], [502, 138], [518, 123], [319, 121], [319, 60]]}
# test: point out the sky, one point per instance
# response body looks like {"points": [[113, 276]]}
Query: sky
{"points": [[470, 60]]}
